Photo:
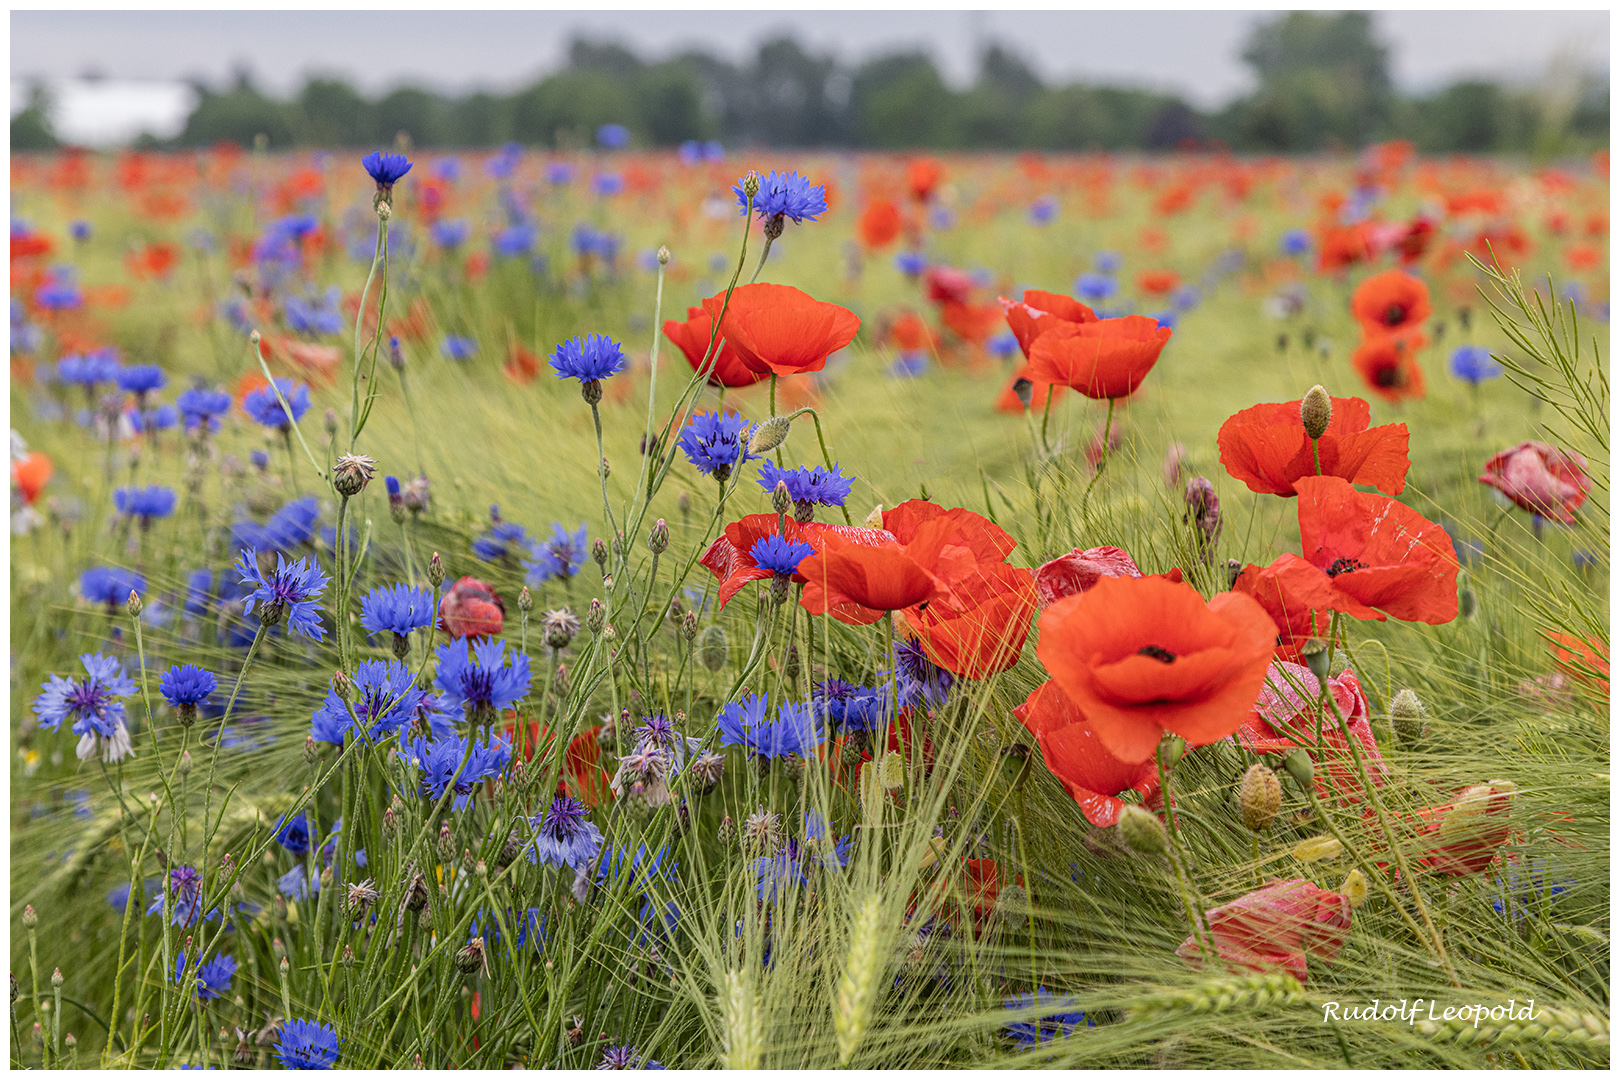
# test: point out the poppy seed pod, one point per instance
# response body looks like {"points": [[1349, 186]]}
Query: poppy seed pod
{"points": [[1024, 390], [1316, 411], [1299, 767], [1259, 797], [769, 435], [1315, 652], [658, 537], [1142, 831]]}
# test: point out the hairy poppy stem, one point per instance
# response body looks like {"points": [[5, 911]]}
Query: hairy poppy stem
{"points": [[1108, 431], [1173, 840]]}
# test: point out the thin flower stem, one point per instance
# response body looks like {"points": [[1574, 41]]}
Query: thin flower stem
{"points": [[219, 734], [1108, 430]]}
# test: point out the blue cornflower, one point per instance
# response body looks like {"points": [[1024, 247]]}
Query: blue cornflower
{"points": [[297, 884], [912, 364], [187, 684], [607, 183], [562, 836], [306, 1044], [263, 406], [921, 680], [110, 585], [440, 761], [1185, 298], [514, 241], [560, 556], [716, 442], [79, 229], [1295, 242], [59, 293], [477, 677], [867, 710], [558, 173], [1002, 346], [830, 698], [88, 705], [1164, 318], [396, 608], [501, 539], [142, 378], [589, 359], [313, 318], [144, 503], [1043, 210], [448, 169], [1095, 286], [942, 218], [290, 591], [293, 525], [625, 1057], [794, 731], [87, 371], [613, 136], [785, 195], [185, 888], [199, 591], [911, 263], [213, 976], [458, 347], [260, 459], [807, 486], [386, 169], [1473, 364], [162, 418], [779, 555], [1107, 262], [386, 697], [293, 834], [450, 234], [1063, 1017]]}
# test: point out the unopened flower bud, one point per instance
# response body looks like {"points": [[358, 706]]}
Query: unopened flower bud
{"points": [[605, 470], [595, 616], [390, 823], [183, 766], [352, 473], [56, 979], [689, 626], [658, 537], [312, 753], [663, 255], [714, 650], [1171, 751], [1299, 766], [436, 570], [892, 772], [781, 501], [1408, 714], [1259, 797], [525, 600], [447, 844], [1142, 831], [1316, 411], [330, 421], [470, 957], [750, 184], [342, 685], [1015, 763], [133, 605], [599, 552], [385, 210], [769, 435]]}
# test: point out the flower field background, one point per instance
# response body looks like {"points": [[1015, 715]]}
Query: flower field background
{"points": [[1129, 661]]}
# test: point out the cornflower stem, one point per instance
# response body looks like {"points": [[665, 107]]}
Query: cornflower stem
{"points": [[607, 509], [763, 255], [358, 417], [33, 970], [338, 541], [1108, 430], [219, 735], [652, 388], [56, 1023], [292, 462], [1183, 883], [123, 939]]}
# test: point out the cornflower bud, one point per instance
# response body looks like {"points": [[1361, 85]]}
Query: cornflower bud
{"points": [[595, 616], [663, 255], [605, 470], [750, 184], [658, 537], [726, 831], [360, 898], [56, 979], [384, 209], [470, 957], [183, 766], [311, 753], [1142, 831], [689, 626], [769, 435], [396, 357], [342, 685], [348, 962], [390, 823], [781, 501], [133, 605], [330, 421], [1316, 411], [416, 892], [30, 917], [436, 570], [447, 845], [1259, 797]]}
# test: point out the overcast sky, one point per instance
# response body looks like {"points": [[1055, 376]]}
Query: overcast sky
{"points": [[1194, 53]]}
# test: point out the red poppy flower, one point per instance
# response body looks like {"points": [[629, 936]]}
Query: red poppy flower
{"points": [[1464, 835], [1583, 659], [911, 332], [730, 558], [856, 579], [1079, 570], [1285, 718], [521, 366], [1077, 757], [1379, 553], [923, 176], [1341, 246], [1266, 447], [971, 537], [1008, 400], [880, 223], [1157, 282], [1040, 311], [692, 338], [782, 330], [978, 888], [979, 628], [590, 782], [1108, 358], [1388, 364], [471, 609], [1275, 927], [973, 323], [945, 283], [1141, 656], [31, 474], [1390, 303], [1541, 479], [1296, 595]]}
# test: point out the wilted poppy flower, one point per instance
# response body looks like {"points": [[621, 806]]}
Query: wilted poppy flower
{"points": [[1388, 364], [1285, 718], [1379, 553], [692, 338], [1541, 479], [782, 330], [1077, 757], [1040, 311], [1108, 358], [1390, 303], [1141, 656], [471, 609], [1266, 447], [1275, 927], [1079, 570], [1464, 835], [880, 223]]}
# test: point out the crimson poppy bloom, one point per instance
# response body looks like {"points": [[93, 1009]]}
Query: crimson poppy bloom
{"points": [[970, 538], [1079, 570], [880, 223], [1108, 358], [31, 473], [923, 176], [1039, 311], [1075, 755], [692, 338], [1387, 363], [1285, 718], [1340, 246], [1142, 656], [1379, 553], [777, 329], [1392, 302], [1275, 927], [1266, 447], [1541, 479], [1157, 282], [1296, 595], [980, 626], [1008, 400], [471, 609], [947, 283], [522, 366], [1464, 835], [1585, 660], [973, 323], [856, 579]]}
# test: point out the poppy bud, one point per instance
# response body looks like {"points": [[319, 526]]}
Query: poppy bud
{"points": [[713, 648], [1467, 603], [1354, 888], [769, 435], [663, 255], [133, 605], [1171, 751], [1299, 766], [1318, 848], [1315, 652], [436, 570], [599, 552], [892, 772], [595, 616], [1142, 831], [1408, 713], [1316, 411], [1013, 904], [1015, 764], [1024, 390], [658, 537], [1259, 797]]}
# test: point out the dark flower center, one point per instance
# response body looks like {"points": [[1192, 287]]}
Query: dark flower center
{"points": [[1159, 653], [1344, 566], [1388, 376], [1395, 315]]}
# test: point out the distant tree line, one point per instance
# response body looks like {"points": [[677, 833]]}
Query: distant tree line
{"points": [[1323, 83]]}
